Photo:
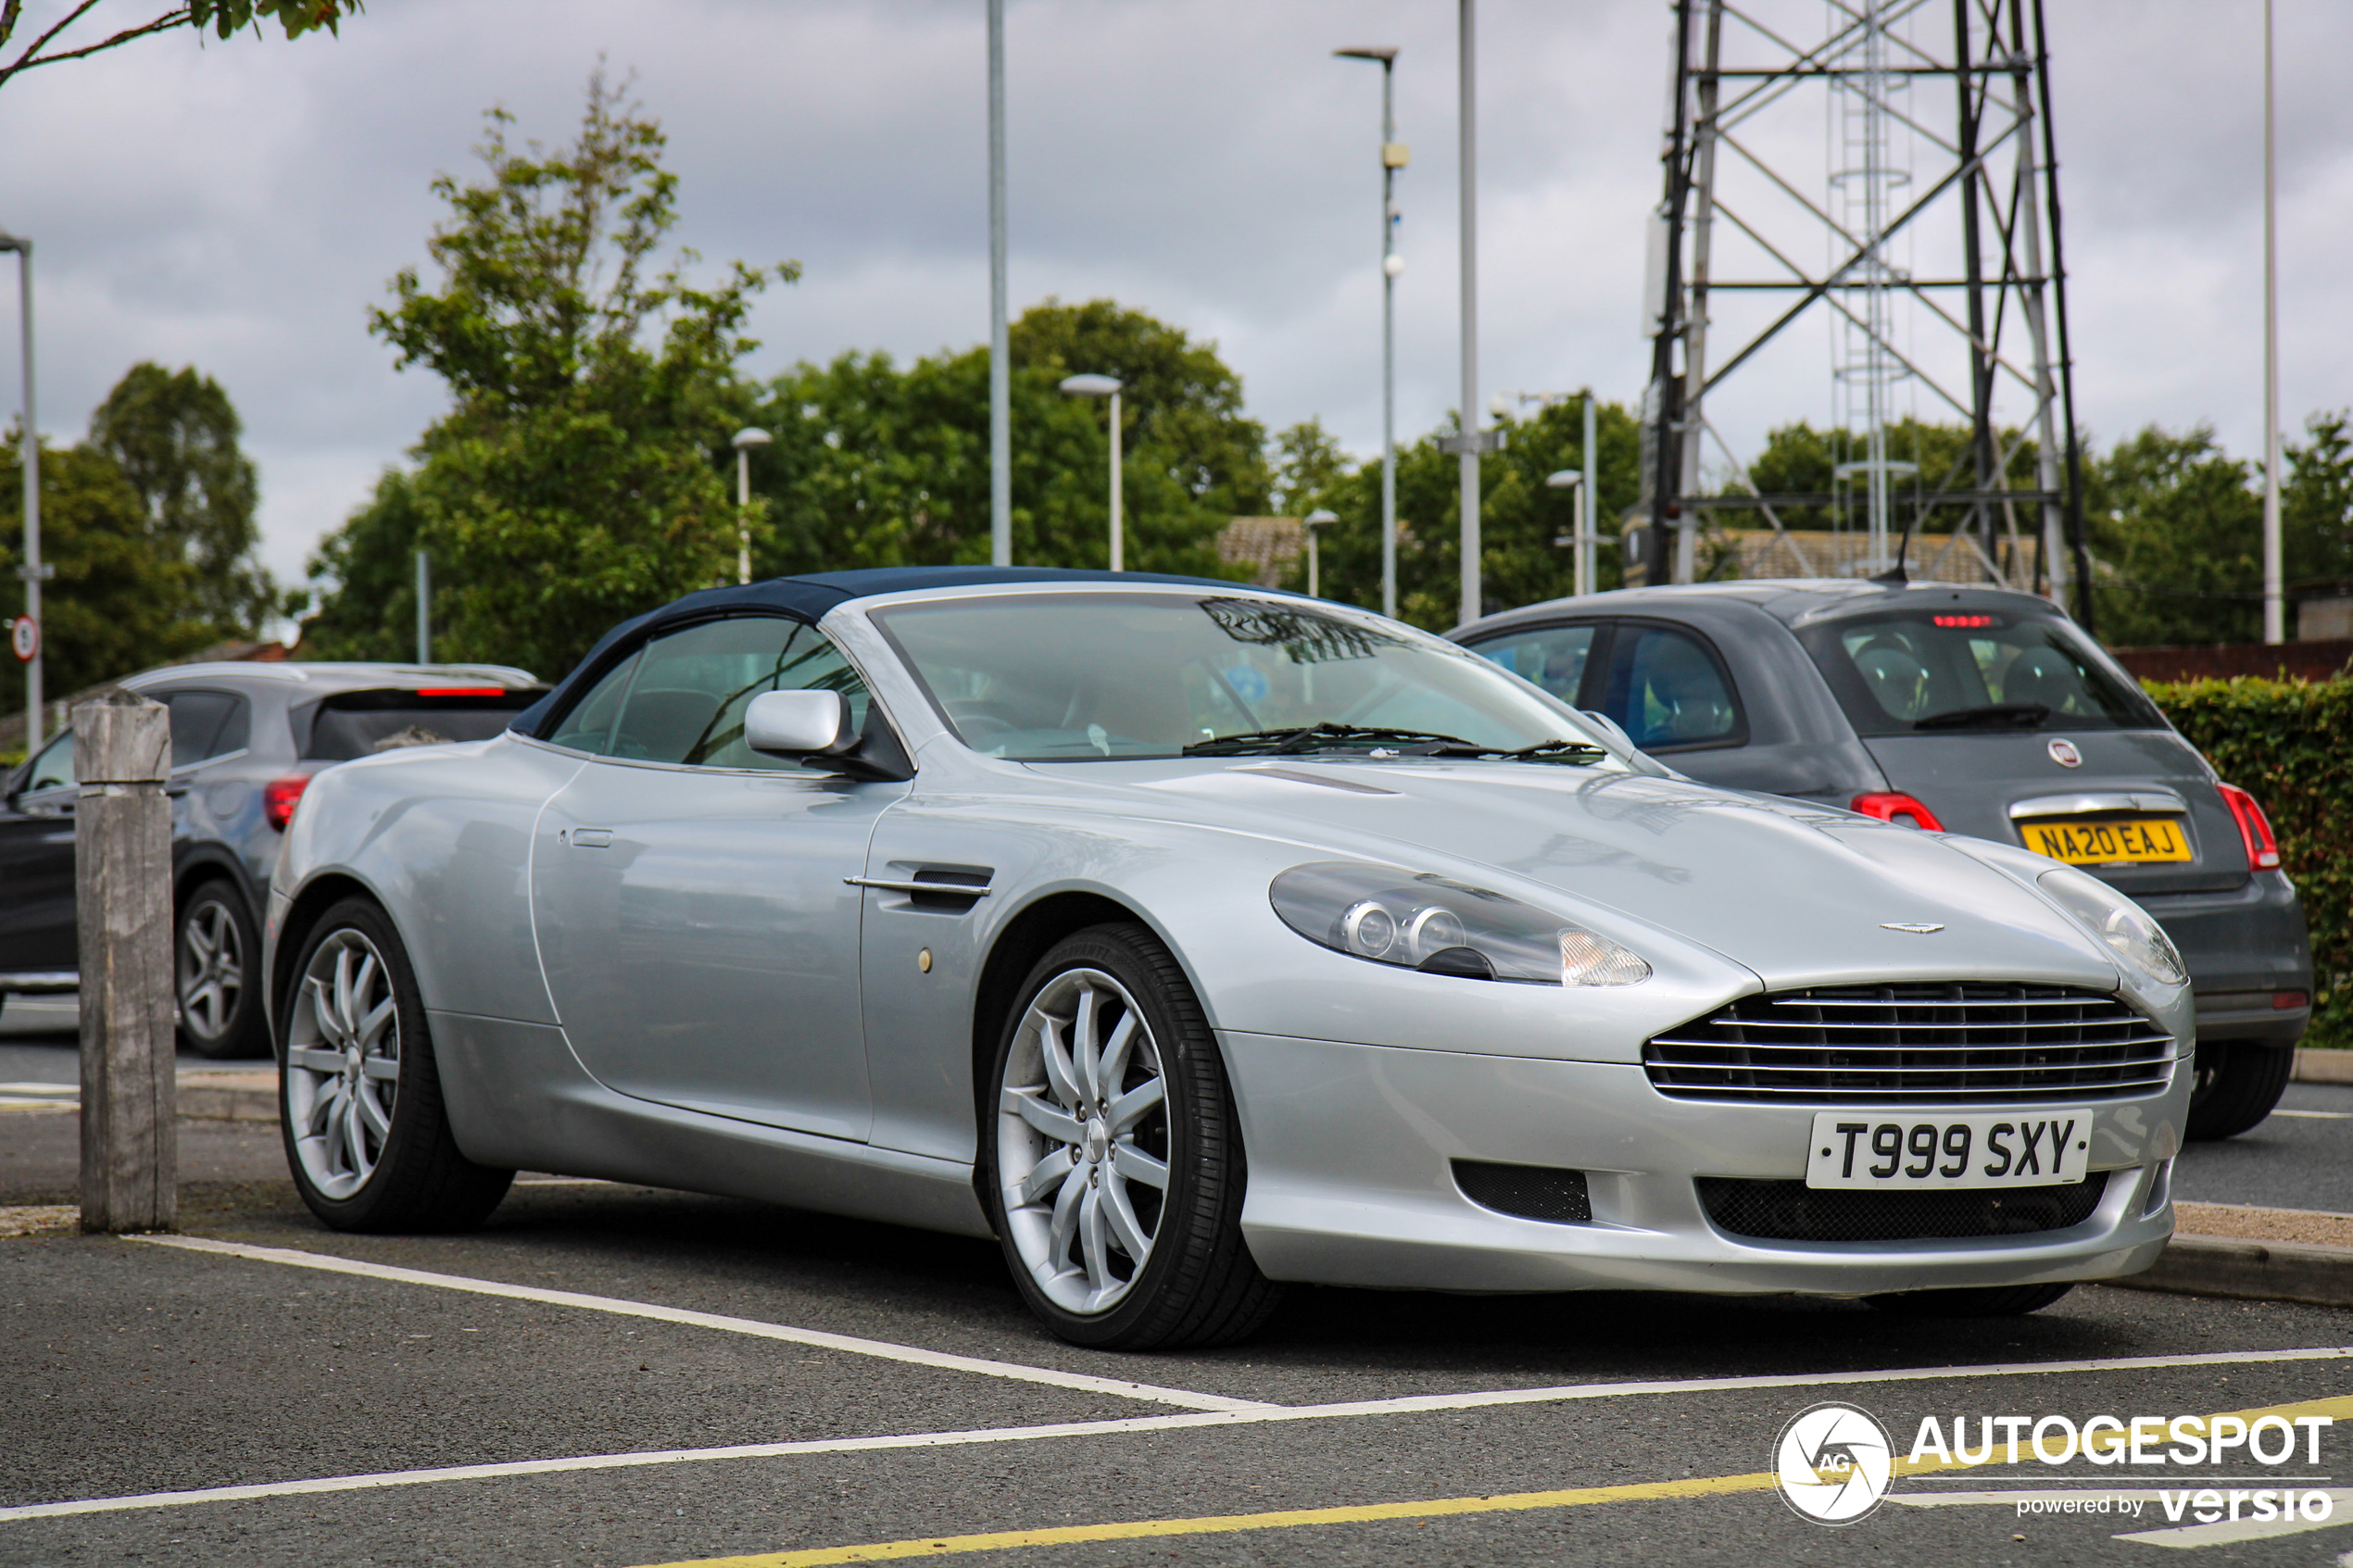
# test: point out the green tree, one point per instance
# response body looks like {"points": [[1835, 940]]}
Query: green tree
{"points": [[117, 603], [224, 17], [576, 480], [2177, 538], [2316, 506], [174, 437], [371, 559], [876, 465]]}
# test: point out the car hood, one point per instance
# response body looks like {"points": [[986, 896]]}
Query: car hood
{"points": [[1797, 894]]}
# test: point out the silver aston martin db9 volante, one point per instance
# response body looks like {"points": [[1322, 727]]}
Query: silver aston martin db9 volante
{"points": [[1191, 938]]}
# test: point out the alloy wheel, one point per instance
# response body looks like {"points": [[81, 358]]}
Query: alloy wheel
{"points": [[343, 1063], [212, 970], [1082, 1141]]}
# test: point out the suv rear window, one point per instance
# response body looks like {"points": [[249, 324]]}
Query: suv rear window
{"points": [[351, 725], [1964, 669]]}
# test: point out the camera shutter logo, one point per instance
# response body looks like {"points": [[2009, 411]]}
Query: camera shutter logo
{"points": [[1832, 1463]]}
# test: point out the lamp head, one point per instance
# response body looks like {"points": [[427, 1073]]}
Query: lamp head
{"points": [[1320, 517], [750, 435], [1092, 385], [1565, 479], [1386, 57]]}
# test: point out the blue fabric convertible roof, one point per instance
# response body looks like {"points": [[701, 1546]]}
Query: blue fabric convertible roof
{"points": [[807, 599]]}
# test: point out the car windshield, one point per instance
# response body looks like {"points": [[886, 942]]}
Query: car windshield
{"points": [[1964, 670], [1069, 677]]}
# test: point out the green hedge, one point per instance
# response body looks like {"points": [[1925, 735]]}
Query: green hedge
{"points": [[2290, 743]]}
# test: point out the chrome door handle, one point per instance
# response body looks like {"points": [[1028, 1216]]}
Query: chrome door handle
{"points": [[586, 838]]}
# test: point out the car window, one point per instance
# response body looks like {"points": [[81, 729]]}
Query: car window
{"points": [[1970, 668], [204, 724], [686, 694], [1666, 690], [1076, 677], [54, 768], [360, 724], [588, 727], [1552, 657]]}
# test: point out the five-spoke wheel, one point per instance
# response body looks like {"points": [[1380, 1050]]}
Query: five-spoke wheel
{"points": [[215, 951]]}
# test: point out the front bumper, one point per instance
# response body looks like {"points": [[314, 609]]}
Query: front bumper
{"points": [[1351, 1181], [2246, 948]]}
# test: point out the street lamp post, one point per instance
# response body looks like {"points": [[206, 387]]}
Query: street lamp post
{"points": [[1105, 386], [1573, 482], [1001, 383], [2275, 590], [1394, 156], [1315, 523], [32, 571], [745, 440]]}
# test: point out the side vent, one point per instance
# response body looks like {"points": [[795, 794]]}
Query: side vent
{"points": [[1530, 1192], [939, 890]]}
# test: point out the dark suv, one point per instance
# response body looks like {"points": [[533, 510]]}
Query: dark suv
{"points": [[1971, 711], [246, 740]]}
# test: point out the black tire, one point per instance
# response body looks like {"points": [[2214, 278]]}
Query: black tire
{"points": [[418, 1180], [1982, 1301], [2237, 1084], [216, 969], [1197, 1283]]}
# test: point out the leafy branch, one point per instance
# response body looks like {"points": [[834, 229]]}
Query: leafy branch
{"points": [[224, 17]]}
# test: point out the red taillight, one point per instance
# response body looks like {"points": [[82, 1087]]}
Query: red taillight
{"points": [[2254, 829], [462, 691], [279, 796], [1894, 806]]}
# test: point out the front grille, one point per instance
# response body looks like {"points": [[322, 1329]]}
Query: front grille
{"points": [[1961, 1043], [1793, 1212], [1533, 1192]]}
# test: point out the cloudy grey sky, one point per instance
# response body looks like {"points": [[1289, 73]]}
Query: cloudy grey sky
{"points": [[238, 206]]}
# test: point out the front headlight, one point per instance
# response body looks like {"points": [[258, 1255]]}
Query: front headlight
{"points": [[2118, 922], [1442, 927]]}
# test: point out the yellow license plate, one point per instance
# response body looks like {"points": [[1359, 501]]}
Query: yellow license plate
{"points": [[2141, 842]]}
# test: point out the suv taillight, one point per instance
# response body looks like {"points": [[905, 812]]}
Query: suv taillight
{"points": [[2254, 829], [1894, 806], [279, 796]]}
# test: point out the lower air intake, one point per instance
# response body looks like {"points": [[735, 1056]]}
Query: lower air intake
{"points": [[1533, 1192], [1793, 1212]]}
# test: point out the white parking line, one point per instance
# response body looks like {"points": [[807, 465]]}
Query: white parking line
{"points": [[2316, 1116], [881, 1349], [2228, 1531], [1252, 1416]]}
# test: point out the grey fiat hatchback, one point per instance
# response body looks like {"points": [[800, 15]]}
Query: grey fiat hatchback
{"points": [[1969, 710]]}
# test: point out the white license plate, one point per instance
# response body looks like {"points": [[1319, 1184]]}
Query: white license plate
{"points": [[1877, 1149]]}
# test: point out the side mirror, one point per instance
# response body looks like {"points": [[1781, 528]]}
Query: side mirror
{"points": [[802, 724]]}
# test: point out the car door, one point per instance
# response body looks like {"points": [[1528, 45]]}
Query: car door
{"points": [[696, 925], [36, 864]]}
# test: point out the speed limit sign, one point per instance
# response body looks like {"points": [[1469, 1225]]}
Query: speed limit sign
{"points": [[24, 638]]}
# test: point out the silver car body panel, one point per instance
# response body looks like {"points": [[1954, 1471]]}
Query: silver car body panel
{"points": [[1356, 1081]]}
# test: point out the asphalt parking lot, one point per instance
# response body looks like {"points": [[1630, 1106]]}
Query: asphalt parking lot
{"points": [[616, 1375]]}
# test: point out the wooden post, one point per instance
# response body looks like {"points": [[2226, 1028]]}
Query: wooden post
{"points": [[122, 887]]}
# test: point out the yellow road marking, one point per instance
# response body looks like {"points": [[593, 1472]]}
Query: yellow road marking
{"points": [[1071, 1534], [1230, 1524]]}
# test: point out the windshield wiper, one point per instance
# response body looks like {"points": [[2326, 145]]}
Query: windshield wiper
{"points": [[1992, 715], [1327, 737], [1297, 738]]}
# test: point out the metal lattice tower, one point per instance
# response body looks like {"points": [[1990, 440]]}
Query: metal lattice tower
{"points": [[1886, 165]]}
